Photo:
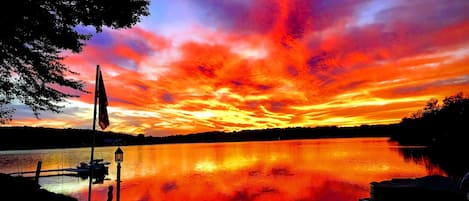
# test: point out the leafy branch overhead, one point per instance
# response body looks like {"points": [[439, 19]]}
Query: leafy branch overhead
{"points": [[33, 35]]}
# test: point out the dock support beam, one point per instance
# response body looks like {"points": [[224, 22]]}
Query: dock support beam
{"points": [[38, 172], [118, 185]]}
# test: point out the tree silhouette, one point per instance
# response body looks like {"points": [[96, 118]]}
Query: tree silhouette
{"points": [[33, 35], [455, 99], [445, 124], [432, 106]]}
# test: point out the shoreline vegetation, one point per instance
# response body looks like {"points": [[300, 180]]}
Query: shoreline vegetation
{"points": [[443, 129]]}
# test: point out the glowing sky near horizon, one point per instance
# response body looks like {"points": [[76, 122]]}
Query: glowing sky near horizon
{"points": [[205, 65]]}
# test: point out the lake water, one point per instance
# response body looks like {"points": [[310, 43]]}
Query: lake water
{"points": [[296, 170]]}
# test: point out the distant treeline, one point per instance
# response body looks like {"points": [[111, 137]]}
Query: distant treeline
{"points": [[281, 134], [37, 137]]}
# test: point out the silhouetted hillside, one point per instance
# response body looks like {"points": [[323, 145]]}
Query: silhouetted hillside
{"points": [[33, 138], [282, 134], [37, 137]]}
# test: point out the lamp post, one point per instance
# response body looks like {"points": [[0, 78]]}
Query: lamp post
{"points": [[119, 158]]}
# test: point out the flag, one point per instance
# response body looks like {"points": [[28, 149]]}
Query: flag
{"points": [[103, 116]]}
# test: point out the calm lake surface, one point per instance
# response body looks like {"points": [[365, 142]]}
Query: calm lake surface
{"points": [[296, 170]]}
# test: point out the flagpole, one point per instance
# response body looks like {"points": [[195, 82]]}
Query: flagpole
{"points": [[94, 131]]}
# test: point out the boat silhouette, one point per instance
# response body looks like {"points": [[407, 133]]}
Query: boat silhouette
{"points": [[99, 167]]}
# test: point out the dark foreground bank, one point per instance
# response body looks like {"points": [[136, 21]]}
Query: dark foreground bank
{"points": [[22, 189], [433, 187]]}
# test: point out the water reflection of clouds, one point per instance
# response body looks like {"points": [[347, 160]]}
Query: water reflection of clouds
{"points": [[230, 164], [205, 166], [324, 170]]}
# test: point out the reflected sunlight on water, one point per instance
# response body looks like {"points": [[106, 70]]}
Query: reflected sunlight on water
{"points": [[324, 169]]}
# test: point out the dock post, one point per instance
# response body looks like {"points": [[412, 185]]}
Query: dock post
{"points": [[38, 171]]}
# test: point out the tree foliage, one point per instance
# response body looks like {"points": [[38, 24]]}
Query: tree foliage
{"points": [[453, 107], [35, 32], [443, 124]]}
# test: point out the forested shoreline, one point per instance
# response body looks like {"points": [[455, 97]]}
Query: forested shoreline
{"points": [[41, 138]]}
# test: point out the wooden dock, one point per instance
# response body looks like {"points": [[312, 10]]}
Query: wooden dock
{"points": [[41, 171], [78, 171]]}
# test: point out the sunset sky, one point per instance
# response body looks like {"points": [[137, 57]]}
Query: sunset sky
{"points": [[224, 65]]}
